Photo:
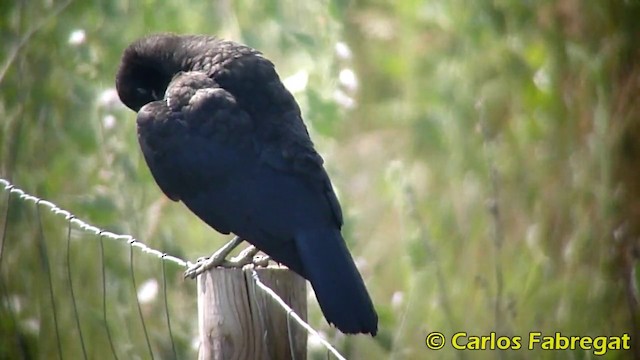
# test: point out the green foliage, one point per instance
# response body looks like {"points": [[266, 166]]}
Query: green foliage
{"points": [[476, 158]]}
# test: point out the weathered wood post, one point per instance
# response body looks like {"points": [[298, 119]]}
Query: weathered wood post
{"points": [[237, 320]]}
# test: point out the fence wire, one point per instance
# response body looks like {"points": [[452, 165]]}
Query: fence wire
{"points": [[133, 243]]}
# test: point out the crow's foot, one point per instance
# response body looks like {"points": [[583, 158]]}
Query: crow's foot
{"points": [[249, 256], [218, 259]]}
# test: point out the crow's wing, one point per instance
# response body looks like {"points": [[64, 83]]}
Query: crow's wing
{"points": [[294, 152], [201, 146], [195, 140], [284, 142]]}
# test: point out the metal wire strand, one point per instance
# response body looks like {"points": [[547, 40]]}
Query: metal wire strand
{"points": [[260, 316], [73, 295], [166, 307], [135, 291], [5, 223], [8, 307], [6, 303], [295, 316], [104, 297], [84, 226], [290, 335], [44, 258]]}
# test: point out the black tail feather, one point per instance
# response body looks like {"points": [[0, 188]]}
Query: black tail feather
{"points": [[339, 288]]}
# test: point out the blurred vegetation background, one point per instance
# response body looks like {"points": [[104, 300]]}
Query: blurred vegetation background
{"points": [[486, 154]]}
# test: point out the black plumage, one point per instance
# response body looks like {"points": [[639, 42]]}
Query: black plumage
{"points": [[221, 133]]}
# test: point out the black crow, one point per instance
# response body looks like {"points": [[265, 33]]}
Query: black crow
{"points": [[220, 133]]}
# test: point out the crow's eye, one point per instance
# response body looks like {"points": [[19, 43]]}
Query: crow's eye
{"points": [[142, 91], [145, 93]]}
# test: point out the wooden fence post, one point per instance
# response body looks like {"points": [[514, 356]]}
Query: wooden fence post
{"points": [[237, 320]]}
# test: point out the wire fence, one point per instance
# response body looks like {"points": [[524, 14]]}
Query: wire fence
{"points": [[73, 221]]}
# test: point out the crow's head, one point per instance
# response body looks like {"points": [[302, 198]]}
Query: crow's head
{"points": [[147, 67]]}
